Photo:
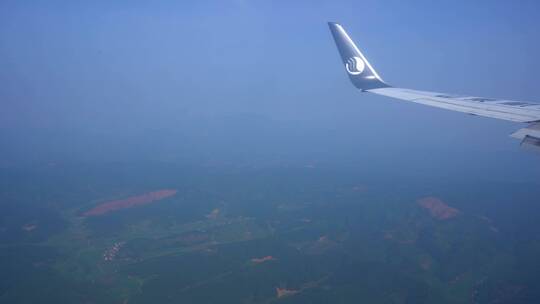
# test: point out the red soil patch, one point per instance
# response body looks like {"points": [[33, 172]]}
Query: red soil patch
{"points": [[129, 202], [282, 292], [438, 208]]}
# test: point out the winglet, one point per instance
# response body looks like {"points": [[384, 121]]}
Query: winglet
{"points": [[361, 73]]}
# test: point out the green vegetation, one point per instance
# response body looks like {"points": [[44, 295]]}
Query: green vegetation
{"points": [[332, 240]]}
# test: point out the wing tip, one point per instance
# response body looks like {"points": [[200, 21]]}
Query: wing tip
{"points": [[360, 71]]}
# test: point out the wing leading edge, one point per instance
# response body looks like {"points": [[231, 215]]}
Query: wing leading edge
{"points": [[365, 78]]}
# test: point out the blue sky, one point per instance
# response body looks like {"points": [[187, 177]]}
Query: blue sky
{"points": [[254, 79]]}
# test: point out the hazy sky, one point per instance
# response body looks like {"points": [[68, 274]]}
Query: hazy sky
{"points": [[261, 81]]}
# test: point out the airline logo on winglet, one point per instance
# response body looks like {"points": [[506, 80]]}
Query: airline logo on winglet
{"points": [[355, 66]]}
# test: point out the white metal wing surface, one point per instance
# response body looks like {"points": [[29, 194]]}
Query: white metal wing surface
{"points": [[365, 78]]}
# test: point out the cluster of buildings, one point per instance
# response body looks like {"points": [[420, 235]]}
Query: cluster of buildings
{"points": [[111, 253]]}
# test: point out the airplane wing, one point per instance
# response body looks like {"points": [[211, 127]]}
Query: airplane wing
{"points": [[365, 78]]}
